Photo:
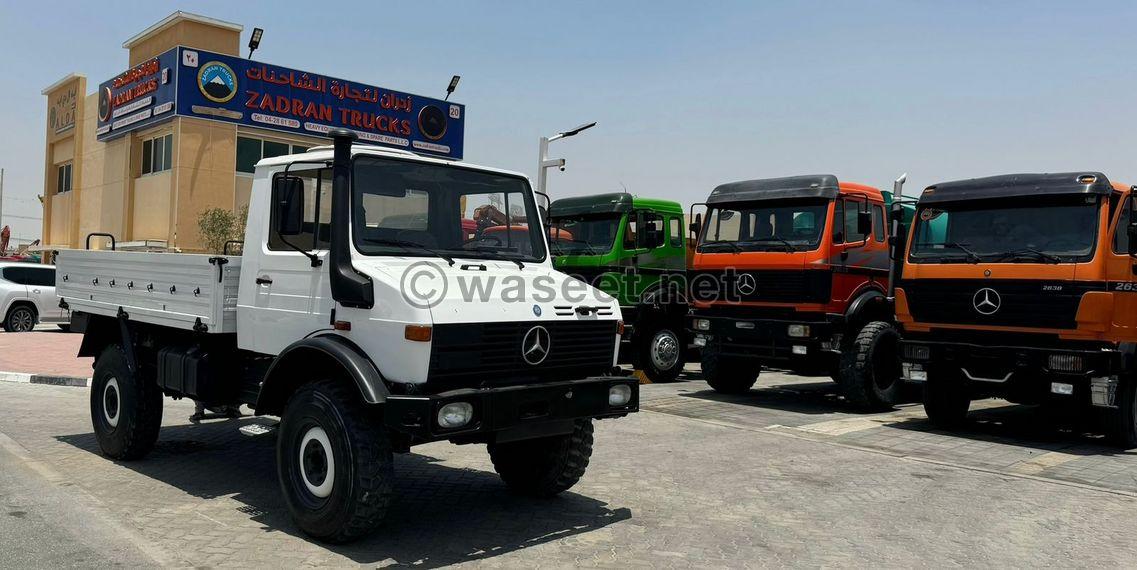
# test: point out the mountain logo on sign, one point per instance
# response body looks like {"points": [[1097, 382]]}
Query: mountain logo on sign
{"points": [[217, 82]]}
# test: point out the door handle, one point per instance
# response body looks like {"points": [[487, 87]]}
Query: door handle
{"points": [[266, 280]]}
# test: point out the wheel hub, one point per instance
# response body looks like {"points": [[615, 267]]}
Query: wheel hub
{"points": [[664, 350], [111, 402], [317, 463]]}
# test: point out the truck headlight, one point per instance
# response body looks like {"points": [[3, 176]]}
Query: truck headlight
{"points": [[702, 324], [619, 395], [455, 415], [798, 331]]}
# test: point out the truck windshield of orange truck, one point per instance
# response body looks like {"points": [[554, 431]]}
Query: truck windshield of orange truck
{"points": [[765, 225], [1059, 229]]}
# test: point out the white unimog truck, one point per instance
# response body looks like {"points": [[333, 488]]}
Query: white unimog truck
{"points": [[350, 316]]}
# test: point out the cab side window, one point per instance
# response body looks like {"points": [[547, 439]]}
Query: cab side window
{"points": [[630, 232], [1121, 232], [852, 208], [839, 221], [878, 223], [316, 232], [676, 232]]}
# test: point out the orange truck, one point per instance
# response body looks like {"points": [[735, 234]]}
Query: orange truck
{"points": [[1023, 287], [793, 273]]}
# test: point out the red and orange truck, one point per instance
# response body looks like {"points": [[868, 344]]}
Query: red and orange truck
{"points": [[1023, 287], [793, 272]]}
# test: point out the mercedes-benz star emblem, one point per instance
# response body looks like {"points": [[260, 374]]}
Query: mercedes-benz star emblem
{"points": [[535, 345], [986, 301], [746, 284]]}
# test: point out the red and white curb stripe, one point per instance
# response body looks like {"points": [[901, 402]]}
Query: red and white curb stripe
{"points": [[27, 378]]}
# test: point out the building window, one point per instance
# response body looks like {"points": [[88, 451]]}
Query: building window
{"points": [[63, 178], [250, 151], [157, 154]]}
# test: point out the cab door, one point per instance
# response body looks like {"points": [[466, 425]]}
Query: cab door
{"points": [[1121, 271], [853, 250]]}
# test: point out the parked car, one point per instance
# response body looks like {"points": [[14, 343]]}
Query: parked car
{"points": [[28, 293]]}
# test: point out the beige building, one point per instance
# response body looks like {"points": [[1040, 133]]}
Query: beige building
{"points": [[149, 186]]}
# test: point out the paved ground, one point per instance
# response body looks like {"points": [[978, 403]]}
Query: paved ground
{"points": [[783, 476], [46, 350]]}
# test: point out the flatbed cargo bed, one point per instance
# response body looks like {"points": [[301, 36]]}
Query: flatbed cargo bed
{"points": [[184, 291]]}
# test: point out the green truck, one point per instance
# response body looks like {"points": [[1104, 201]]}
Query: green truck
{"points": [[634, 249]]}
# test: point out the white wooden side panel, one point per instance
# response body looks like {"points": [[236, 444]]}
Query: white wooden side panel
{"points": [[169, 289]]}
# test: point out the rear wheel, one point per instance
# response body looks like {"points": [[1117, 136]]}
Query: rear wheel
{"points": [[728, 375], [660, 354], [544, 466], [869, 373], [126, 407], [21, 318], [946, 398], [334, 463]]}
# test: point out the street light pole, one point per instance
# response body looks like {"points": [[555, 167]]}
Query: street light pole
{"points": [[544, 163]]}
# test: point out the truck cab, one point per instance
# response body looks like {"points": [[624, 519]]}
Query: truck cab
{"points": [[1021, 286], [369, 316], [793, 272], [634, 249]]}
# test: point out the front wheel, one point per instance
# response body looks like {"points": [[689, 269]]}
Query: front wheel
{"points": [[1123, 420], [660, 354], [728, 375], [869, 373], [544, 466], [126, 407], [334, 463], [946, 399]]}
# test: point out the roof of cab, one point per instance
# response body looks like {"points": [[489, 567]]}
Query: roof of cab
{"points": [[1012, 185], [321, 153], [610, 203], [806, 186]]}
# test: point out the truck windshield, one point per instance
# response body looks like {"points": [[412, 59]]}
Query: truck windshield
{"points": [[768, 225], [402, 207], [583, 235], [1045, 230]]}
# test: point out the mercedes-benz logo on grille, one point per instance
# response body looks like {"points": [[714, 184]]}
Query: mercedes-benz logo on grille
{"points": [[535, 345], [746, 284], [986, 301]]}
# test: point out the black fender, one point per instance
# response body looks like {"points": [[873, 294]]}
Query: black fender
{"points": [[307, 359], [867, 302]]}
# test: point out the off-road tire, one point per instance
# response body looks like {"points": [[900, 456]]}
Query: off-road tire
{"points": [[544, 466], [362, 464], [946, 397], [20, 318], [869, 373], [1122, 422], [647, 343], [126, 407], [728, 375]]}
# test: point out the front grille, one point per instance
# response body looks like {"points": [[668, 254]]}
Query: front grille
{"points": [[780, 286], [1028, 304], [483, 354]]}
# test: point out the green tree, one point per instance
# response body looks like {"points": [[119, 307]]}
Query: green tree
{"points": [[217, 226]]}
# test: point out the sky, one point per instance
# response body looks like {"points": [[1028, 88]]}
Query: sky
{"points": [[687, 95]]}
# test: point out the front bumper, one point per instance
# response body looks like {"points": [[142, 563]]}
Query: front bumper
{"points": [[1024, 374], [510, 413], [769, 339]]}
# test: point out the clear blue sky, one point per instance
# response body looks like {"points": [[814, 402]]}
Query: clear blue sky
{"points": [[688, 95]]}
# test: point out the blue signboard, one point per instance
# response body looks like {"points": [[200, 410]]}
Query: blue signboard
{"points": [[226, 88], [195, 83], [138, 97]]}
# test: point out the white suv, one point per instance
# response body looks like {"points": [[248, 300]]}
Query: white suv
{"points": [[27, 291]]}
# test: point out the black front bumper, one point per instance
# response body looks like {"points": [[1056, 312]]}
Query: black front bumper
{"points": [[509, 413], [1020, 373], [769, 339]]}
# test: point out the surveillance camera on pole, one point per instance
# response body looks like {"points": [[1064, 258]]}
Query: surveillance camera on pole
{"points": [[544, 163]]}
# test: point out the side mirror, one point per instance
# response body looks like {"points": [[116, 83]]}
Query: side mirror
{"points": [[288, 205], [651, 236], [864, 223], [697, 225]]}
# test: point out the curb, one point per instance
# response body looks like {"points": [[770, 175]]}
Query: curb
{"points": [[26, 378]]}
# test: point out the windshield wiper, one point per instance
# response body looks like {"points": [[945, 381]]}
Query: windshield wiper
{"points": [[969, 255], [490, 249], [789, 246], [411, 245], [1038, 254], [733, 246], [589, 250]]}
